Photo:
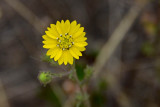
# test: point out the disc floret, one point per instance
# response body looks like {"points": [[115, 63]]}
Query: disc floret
{"points": [[65, 41]]}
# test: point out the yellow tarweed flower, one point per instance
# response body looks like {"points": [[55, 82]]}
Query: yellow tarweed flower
{"points": [[65, 40]]}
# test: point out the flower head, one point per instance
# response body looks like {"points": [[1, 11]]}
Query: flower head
{"points": [[65, 40]]}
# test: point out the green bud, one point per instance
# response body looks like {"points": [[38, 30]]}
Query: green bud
{"points": [[45, 77]]}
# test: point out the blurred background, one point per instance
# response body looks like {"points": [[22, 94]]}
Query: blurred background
{"points": [[129, 76]]}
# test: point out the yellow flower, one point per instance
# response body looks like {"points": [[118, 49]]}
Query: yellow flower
{"points": [[65, 40]]}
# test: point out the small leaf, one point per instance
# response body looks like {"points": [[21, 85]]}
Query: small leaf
{"points": [[79, 71], [46, 58]]}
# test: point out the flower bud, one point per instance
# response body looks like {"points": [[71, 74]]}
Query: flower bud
{"points": [[45, 77]]}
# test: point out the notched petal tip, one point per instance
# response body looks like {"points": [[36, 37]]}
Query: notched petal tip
{"points": [[43, 42], [84, 49], [74, 22], [62, 21], [51, 56], [84, 33], [44, 46], [58, 55], [85, 43], [82, 28], [52, 25], [60, 63], [46, 31], [79, 25], [65, 63], [71, 63], [49, 28], [58, 22], [67, 21], [43, 36]]}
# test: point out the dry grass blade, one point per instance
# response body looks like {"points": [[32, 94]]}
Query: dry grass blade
{"points": [[3, 97], [117, 37], [26, 13]]}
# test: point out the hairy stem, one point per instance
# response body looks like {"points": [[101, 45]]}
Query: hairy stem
{"points": [[82, 91]]}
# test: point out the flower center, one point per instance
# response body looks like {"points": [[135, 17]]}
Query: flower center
{"points": [[65, 41]]}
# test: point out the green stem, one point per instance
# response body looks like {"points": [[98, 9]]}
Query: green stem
{"points": [[80, 85]]}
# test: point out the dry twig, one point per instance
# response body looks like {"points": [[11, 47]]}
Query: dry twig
{"points": [[27, 14]]}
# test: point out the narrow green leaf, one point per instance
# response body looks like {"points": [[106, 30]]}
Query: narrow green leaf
{"points": [[80, 72]]}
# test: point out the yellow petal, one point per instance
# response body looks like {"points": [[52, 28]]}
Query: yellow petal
{"points": [[79, 32], [73, 54], [50, 34], [62, 26], [76, 51], [71, 60], [58, 55], [70, 57], [74, 27], [59, 28], [80, 36], [60, 60], [65, 57], [52, 52], [81, 48], [54, 30], [45, 37], [80, 39], [48, 46], [67, 26], [81, 44], [49, 42], [62, 21]]}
